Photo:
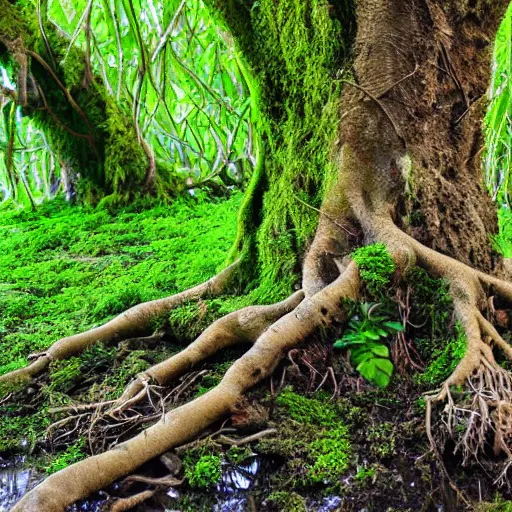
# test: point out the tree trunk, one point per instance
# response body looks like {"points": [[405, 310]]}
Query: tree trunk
{"points": [[423, 69], [396, 162], [410, 117], [92, 136]]}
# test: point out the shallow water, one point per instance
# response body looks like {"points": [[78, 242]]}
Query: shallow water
{"points": [[234, 492], [15, 481]]}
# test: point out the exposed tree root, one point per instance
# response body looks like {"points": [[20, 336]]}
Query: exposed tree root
{"points": [[485, 411], [184, 423], [123, 504], [135, 321], [243, 326]]}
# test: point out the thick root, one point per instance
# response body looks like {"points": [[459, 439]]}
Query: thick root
{"points": [[485, 410], [243, 326], [184, 423], [134, 321]]}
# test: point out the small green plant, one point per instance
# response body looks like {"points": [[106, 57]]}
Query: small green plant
{"points": [[365, 336]]}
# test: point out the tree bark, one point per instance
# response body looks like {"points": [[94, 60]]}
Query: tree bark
{"points": [[423, 68]]}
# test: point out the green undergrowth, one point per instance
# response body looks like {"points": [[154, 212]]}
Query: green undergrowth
{"points": [[66, 269]]}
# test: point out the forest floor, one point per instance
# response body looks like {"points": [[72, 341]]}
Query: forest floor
{"points": [[333, 443]]}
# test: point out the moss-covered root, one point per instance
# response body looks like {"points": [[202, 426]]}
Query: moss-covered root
{"points": [[135, 321], [184, 423], [243, 326]]}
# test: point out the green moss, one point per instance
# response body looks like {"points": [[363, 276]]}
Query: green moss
{"points": [[237, 454], [431, 303], [365, 474], [307, 410], [443, 359], [376, 266], [287, 501], [66, 374], [17, 432], [66, 269], [292, 50], [72, 454], [312, 439], [382, 437], [214, 377], [498, 505], [205, 472]]}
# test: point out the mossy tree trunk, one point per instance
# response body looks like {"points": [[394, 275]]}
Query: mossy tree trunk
{"points": [[394, 158], [93, 137], [413, 104]]}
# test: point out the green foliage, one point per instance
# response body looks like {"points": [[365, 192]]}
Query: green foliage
{"points": [[503, 242], [498, 122], [162, 72], [376, 266], [205, 472], [72, 454], [365, 337]]}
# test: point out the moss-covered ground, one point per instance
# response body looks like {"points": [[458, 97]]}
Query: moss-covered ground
{"points": [[64, 269]]}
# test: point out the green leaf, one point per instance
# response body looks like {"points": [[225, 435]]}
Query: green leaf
{"points": [[395, 326], [379, 350], [367, 369], [360, 355], [382, 380], [385, 366], [371, 334]]}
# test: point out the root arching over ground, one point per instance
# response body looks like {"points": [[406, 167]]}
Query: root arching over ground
{"points": [[273, 331]]}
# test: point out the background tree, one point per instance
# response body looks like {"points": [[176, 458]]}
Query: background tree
{"points": [[183, 114], [396, 162]]}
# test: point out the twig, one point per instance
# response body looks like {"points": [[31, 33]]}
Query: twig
{"points": [[249, 439], [334, 221]]}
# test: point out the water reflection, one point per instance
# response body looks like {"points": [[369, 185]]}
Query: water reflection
{"points": [[236, 481]]}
